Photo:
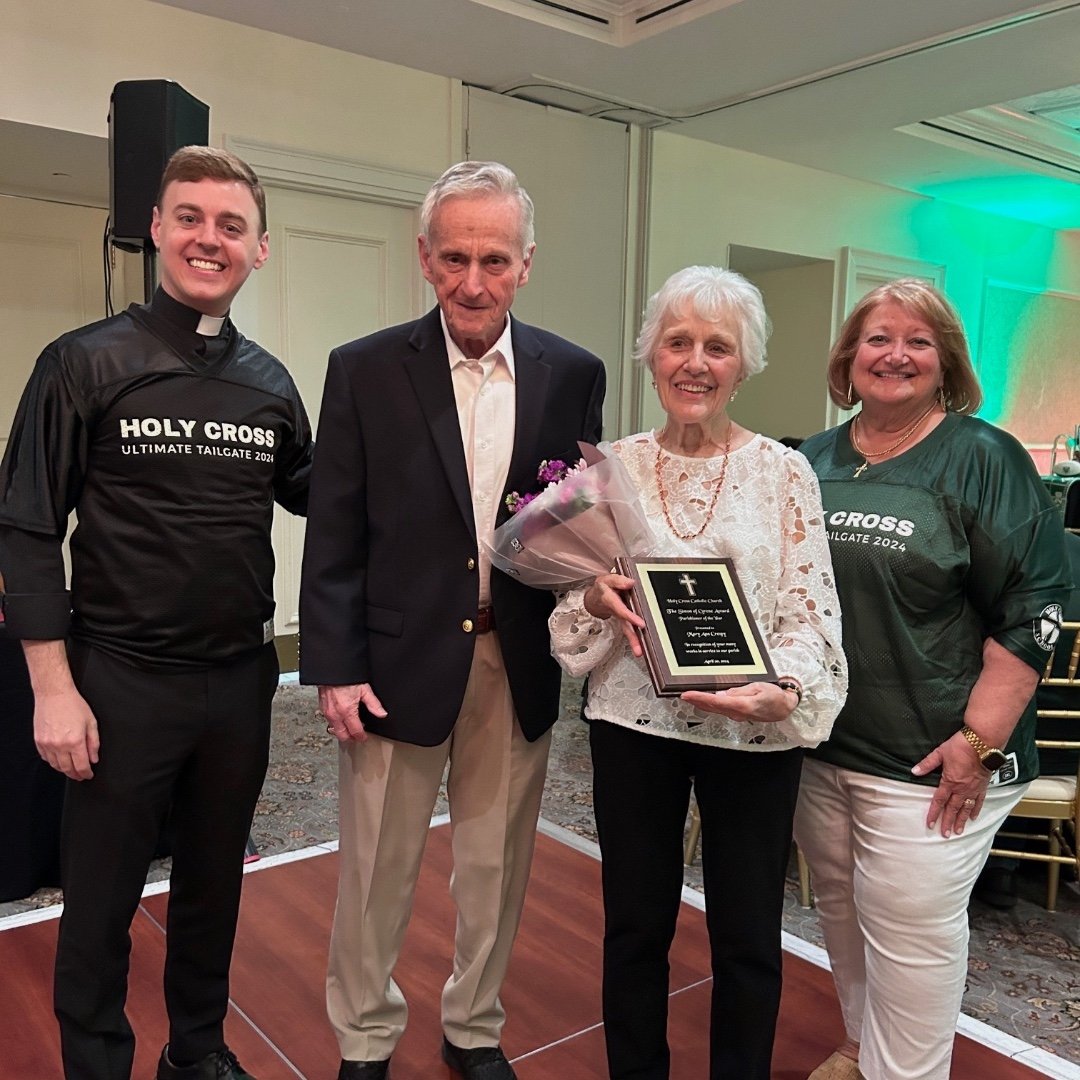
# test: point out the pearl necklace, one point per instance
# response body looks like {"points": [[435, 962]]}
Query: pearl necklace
{"points": [[889, 449], [715, 495]]}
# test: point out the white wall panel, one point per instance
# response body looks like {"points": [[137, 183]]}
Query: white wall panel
{"points": [[50, 282], [576, 169]]}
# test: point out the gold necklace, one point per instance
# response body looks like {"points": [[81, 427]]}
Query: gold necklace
{"points": [[715, 494], [889, 449]]}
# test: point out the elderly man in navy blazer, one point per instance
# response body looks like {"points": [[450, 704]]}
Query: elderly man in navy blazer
{"points": [[422, 655]]}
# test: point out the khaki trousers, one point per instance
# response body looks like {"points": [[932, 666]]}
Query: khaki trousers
{"points": [[387, 791]]}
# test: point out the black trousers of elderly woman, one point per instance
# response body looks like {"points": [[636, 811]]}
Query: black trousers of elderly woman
{"points": [[642, 785]]}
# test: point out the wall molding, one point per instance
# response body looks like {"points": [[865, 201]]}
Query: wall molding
{"points": [[325, 174], [877, 267]]}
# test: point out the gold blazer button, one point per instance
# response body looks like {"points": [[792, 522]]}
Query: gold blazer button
{"points": [[471, 564], [467, 626]]}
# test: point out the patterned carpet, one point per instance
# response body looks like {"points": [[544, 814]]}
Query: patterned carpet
{"points": [[1023, 972]]}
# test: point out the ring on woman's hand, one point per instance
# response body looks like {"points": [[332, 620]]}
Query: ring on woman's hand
{"points": [[969, 803]]}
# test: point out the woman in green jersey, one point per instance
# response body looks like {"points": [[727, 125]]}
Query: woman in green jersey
{"points": [[950, 567]]}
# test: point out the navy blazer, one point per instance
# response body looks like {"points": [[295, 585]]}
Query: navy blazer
{"points": [[390, 557]]}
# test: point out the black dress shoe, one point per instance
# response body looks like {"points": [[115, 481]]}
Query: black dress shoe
{"points": [[364, 1070], [481, 1063], [220, 1065]]}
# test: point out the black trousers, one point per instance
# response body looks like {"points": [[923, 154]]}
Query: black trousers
{"points": [[31, 792], [642, 786], [191, 745]]}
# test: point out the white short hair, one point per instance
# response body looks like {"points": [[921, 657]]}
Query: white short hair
{"points": [[474, 179], [710, 293]]}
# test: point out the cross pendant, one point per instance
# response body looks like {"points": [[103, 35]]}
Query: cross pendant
{"points": [[860, 470]]}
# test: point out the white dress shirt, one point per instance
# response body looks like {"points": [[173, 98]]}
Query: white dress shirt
{"points": [[485, 397]]}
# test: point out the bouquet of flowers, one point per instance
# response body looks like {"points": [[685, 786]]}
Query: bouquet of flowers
{"points": [[572, 530]]}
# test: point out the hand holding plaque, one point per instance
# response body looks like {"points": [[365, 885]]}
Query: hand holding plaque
{"points": [[699, 633]]}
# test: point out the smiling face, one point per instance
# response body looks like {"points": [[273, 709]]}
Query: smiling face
{"points": [[475, 263], [896, 368], [696, 367], [208, 238]]}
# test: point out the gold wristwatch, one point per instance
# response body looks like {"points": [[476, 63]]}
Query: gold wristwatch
{"points": [[990, 756]]}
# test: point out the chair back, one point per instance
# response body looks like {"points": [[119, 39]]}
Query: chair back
{"points": [[1067, 676], [1055, 798]]}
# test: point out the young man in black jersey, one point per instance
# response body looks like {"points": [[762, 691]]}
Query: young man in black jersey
{"points": [[172, 436]]}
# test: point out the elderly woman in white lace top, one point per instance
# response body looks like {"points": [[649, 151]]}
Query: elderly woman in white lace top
{"points": [[709, 488]]}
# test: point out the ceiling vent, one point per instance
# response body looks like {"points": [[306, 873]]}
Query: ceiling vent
{"points": [[542, 90], [1040, 133], [616, 22]]}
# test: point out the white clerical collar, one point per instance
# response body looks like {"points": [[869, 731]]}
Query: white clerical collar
{"points": [[504, 346], [210, 326]]}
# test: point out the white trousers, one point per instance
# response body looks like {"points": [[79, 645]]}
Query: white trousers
{"points": [[388, 790], [892, 896]]}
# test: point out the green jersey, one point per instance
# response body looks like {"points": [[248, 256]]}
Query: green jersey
{"points": [[950, 542]]}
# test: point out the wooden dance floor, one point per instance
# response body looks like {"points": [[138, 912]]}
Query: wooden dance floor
{"points": [[277, 1025]]}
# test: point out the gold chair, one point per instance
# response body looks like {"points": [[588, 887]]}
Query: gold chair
{"points": [[693, 837], [1055, 799]]}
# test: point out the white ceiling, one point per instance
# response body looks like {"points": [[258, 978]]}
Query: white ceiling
{"points": [[823, 83]]}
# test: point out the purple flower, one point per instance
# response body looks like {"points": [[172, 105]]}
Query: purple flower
{"points": [[551, 472], [516, 502]]}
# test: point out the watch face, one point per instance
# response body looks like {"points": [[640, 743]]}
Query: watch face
{"points": [[993, 760]]}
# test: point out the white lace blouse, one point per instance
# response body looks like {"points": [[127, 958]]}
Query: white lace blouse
{"points": [[769, 520]]}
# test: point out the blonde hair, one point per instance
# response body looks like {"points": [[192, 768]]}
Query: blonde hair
{"points": [[961, 392]]}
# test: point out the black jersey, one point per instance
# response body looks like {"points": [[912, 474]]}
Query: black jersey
{"points": [[172, 451], [935, 550]]}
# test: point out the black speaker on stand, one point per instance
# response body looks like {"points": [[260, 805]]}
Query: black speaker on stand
{"points": [[149, 120]]}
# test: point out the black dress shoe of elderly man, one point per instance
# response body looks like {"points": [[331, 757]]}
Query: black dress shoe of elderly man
{"points": [[220, 1065], [481, 1063], [364, 1070]]}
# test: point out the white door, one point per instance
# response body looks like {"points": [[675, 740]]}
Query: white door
{"points": [[339, 268]]}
